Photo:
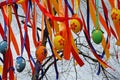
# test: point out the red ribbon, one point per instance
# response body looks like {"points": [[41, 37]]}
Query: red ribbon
{"points": [[34, 29], [11, 72], [1, 31], [19, 25], [76, 57], [118, 4], [27, 45], [8, 60], [113, 32], [5, 65], [67, 46]]}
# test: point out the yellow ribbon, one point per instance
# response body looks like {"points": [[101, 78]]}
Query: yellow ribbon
{"points": [[77, 5], [1, 69], [56, 5], [20, 1], [105, 47], [9, 10], [56, 54]]}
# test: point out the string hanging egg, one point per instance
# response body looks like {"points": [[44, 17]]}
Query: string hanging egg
{"points": [[59, 42], [20, 64], [41, 53], [75, 25], [3, 46], [97, 36]]}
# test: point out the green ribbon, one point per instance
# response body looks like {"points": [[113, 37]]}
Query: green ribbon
{"points": [[97, 12]]}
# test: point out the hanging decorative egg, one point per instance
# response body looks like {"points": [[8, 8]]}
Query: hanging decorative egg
{"points": [[41, 53], [115, 14], [59, 42], [20, 64], [3, 47], [97, 36], [75, 25]]}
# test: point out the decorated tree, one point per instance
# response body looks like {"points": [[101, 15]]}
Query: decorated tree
{"points": [[59, 39]]}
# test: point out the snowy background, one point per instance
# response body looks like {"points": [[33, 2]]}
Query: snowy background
{"points": [[67, 70]]}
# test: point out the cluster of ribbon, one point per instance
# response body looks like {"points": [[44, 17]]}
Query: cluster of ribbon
{"points": [[59, 20]]}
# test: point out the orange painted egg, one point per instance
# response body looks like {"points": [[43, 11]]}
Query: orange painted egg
{"points": [[41, 53], [75, 25], [59, 42], [115, 14]]}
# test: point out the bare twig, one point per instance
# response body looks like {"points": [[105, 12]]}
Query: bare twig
{"points": [[75, 68]]}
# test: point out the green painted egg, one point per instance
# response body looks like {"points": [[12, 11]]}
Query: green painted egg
{"points": [[97, 36]]}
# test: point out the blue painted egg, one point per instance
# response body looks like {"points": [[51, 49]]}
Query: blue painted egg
{"points": [[20, 64], [3, 46]]}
